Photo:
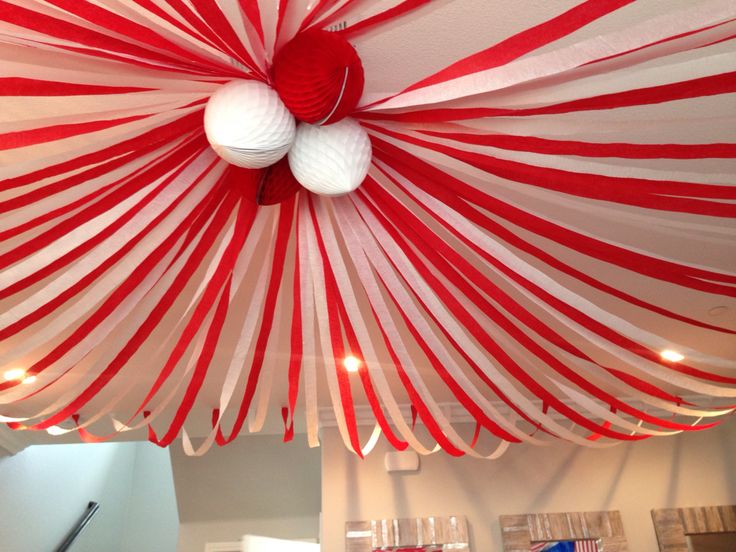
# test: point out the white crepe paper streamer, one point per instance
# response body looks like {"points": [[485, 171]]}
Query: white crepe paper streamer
{"points": [[330, 361], [124, 332], [309, 348], [39, 40], [623, 327], [265, 378], [245, 339], [321, 307], [602, 412], [17, 217], [706, 13], [372, 440], [352, 225], [516, 195], [548, 284], [366, 345], [43, 257], [173, 334], [248, 125], [650, 400], [331, 160], [60, 247], [239, 354], [592, 371], [681, 66], [521, 354], [64, 150], [140, 305], [380, 380], [112, 279], [122, 76], [437, 309], [590, 167], [215, 261], [133, 11], [142, 301]]}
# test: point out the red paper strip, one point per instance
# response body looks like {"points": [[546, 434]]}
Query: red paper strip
{"points": [[723, 83], [665, 195], [523, 43], [194, 220], [286, 216], [381, 18], [559, 305], [22, 86], [456, 269], [422, 173], [23, 138], [336, 338], [158, 135], [145, 329], [140, 33], [487, 342], [591, 149], [64, 30], [253, 16]]}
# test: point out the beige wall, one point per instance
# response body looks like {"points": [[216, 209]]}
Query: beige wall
{"points": [[256, 485], [687, 470]]}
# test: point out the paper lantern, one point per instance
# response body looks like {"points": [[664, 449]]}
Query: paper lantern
{"points": [[277, 184], [319, 76], [248, 125], [331, 160]]}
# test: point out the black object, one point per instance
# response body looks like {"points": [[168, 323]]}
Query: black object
{"points": [[92, 509]]}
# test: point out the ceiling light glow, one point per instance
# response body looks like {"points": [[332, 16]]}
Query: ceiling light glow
{"points": [[14, 374], [672, 356], [29, 380], [55, 431], [351, 363]]}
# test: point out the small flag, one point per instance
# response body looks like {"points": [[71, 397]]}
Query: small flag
{"points": [[587, 545]]}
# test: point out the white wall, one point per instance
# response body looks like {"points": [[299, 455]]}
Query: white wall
{"points": [[687, 470], [44, 490], [153, 521], [193, 536], [256, 485]]}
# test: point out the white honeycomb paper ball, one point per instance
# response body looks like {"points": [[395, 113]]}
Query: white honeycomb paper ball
{"points": [[331, 160], [248, 125]]}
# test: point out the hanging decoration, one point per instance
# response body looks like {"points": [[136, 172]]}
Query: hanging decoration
{"points": [[513, 239], [248, 125], [331, 160], [277, 184], [319, 76]]}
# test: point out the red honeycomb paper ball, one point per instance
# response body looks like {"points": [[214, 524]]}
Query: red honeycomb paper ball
{"points": [[319, 76], [269, 186], [277, 184]]}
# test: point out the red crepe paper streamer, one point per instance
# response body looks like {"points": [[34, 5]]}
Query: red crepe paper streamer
{"points": [[319, 76]]}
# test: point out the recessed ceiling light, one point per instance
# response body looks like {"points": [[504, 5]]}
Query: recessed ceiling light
{"points": [[672, 356], [14, 374], [351, 363], [29, 380]]}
